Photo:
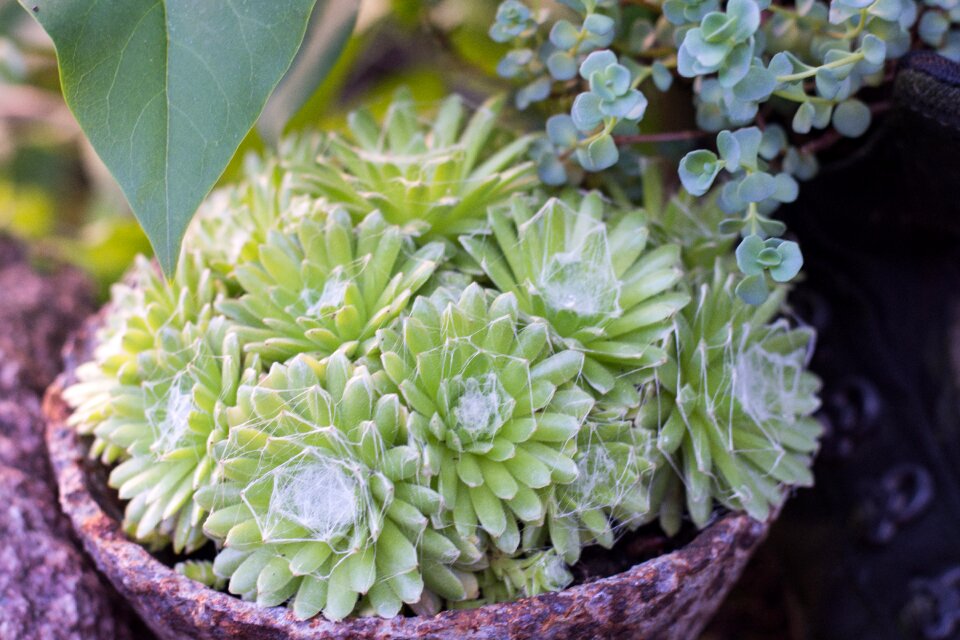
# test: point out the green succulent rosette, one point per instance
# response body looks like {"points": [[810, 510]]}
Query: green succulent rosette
{"points": [[321, 499], [508, 578], [327, 285], [165, 418], [142, 307], [434, 176], [734, 405], [594, 281], [492, 409], [615, 470]]}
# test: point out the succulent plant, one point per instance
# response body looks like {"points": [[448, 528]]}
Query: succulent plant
{"points": [[325, 285], [591, 279], [166, 419], [734, 404], [322, 501], [615, 468], [510, 577], [435, 179], [388, 375], [142, 307], [491, 409]]}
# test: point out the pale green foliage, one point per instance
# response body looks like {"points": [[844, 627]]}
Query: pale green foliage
{"points": [[511, 577], [143, 306], [733, 406], [366, 418], [327, 285], [432, 178], [593, 280], [321, 498], [491, 408]]}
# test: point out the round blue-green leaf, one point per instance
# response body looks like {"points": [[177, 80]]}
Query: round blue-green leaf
{"points": [[786, 189], [599, 155], [165, 90], [757, 187], [780, 64], [561, 131], [598, 24], [729, 149], [803, 118], [748, 255], [562, 66], [932, 27], [753, 289], [791, 259], [729, 226], [564, 35], [550, 170], [597, 61], [772, 227], [757, 85], [750, 139], [536, 91], [851, 118], [513, 63], [586, 112], [874, 49], [774, 140], [698, 169], [662, 78]]}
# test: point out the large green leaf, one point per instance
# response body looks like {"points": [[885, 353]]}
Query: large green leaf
{"points": [[166, 89], [327, 34]]}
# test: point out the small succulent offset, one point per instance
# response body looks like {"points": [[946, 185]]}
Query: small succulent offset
{"points": [[432, 180], [390, 376], [497, 426], [780, 71]]}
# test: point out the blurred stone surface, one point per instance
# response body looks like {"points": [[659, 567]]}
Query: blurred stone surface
{"points": [[48, 588]]}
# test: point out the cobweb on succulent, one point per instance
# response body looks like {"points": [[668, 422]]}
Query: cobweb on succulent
{"points": [[736, 404], [321, 501], [591, 275], [325, 285], [165, 419], [433, 174], [531, 471], [142, 308]]}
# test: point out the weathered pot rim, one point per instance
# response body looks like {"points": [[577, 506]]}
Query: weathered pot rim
{"points": [[622, 605]]}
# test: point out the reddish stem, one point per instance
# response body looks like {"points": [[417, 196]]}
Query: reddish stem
{"points": [[666, 136]]}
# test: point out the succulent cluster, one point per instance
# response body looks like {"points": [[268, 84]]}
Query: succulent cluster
{"points": [[767, 75], [389, 373]]}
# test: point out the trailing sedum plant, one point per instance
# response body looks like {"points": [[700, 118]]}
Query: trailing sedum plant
{"points": [[391, 375], [776, 80]]}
